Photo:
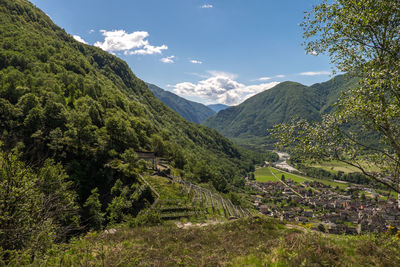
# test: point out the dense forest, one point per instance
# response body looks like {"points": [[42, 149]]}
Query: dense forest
{"points": [[72, 119]]}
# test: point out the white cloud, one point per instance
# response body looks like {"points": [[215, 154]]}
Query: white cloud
{"points": [[203, 76], [168, 60], [221, 88], [147, 50], [263, 79], [134, 43], [314, 73], [207, 6], [195, 61], [79, 39], [91, 31], [217, 73]]}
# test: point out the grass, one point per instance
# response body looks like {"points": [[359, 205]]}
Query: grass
{"points": [[258, 241], [166, 188], [335, 166], [385, 193], [265, 175], [331, 183]]}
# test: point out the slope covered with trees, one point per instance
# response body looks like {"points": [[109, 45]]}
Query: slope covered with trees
{"points": [[287, 100], [192, 111], [82, 115]]}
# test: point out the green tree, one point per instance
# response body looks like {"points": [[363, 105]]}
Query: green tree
{"points": [[121, 204], [35, 208], [251, 176], [362, 38], [202, 171], [128, 200], [59, 199], [93, 210], [20, 205]]}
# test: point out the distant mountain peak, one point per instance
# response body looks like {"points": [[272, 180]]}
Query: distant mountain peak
{"points": [[261, 112], [218, 107], [192, 111]]}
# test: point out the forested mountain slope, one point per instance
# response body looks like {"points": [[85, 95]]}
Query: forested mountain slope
{"points": [[86, 110], [192, 111], [287, 100]]}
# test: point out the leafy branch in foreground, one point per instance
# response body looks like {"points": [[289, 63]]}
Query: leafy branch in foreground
{"points": [[331, 139], [36, 207], [361, 38]]}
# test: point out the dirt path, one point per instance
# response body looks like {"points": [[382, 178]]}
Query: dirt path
{"points": [[190, 224], [294, 191], [302, 177]]}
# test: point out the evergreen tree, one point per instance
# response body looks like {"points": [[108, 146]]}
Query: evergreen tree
{"points": [[93, 209]]}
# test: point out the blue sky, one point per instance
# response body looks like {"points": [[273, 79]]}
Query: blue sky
{"points": [[215, 51]]}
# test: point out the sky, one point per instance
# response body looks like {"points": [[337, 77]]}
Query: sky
{"points": [[213, 51]]}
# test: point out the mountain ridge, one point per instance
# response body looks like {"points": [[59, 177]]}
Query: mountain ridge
{"points": [[190, 110], [218, 107], [287, 100], [85, 108]]}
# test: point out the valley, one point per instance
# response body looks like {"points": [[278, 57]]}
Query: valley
{"points": [[250, 121], [99, 167], [328, 206]]}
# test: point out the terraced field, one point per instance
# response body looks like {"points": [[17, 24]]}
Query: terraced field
{"points": [[179, 198]]}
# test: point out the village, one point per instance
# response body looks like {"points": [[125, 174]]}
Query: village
{"points": [[325, 208]]}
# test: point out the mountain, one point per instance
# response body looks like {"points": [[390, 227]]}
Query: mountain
{"points": [[218, 107], [192, 111], [287, 100], [85, 111]]}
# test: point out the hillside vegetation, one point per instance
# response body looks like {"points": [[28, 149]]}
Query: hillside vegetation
{"points": [[252, 119], [72, 119], [192, 111], [245, 242]]}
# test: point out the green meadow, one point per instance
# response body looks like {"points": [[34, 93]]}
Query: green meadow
{"points": [[336, 166], [266, 174]]}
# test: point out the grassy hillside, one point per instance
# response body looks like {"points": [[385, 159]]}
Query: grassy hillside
{"points": [[252, 119], [246, 242], [192, 111]]}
